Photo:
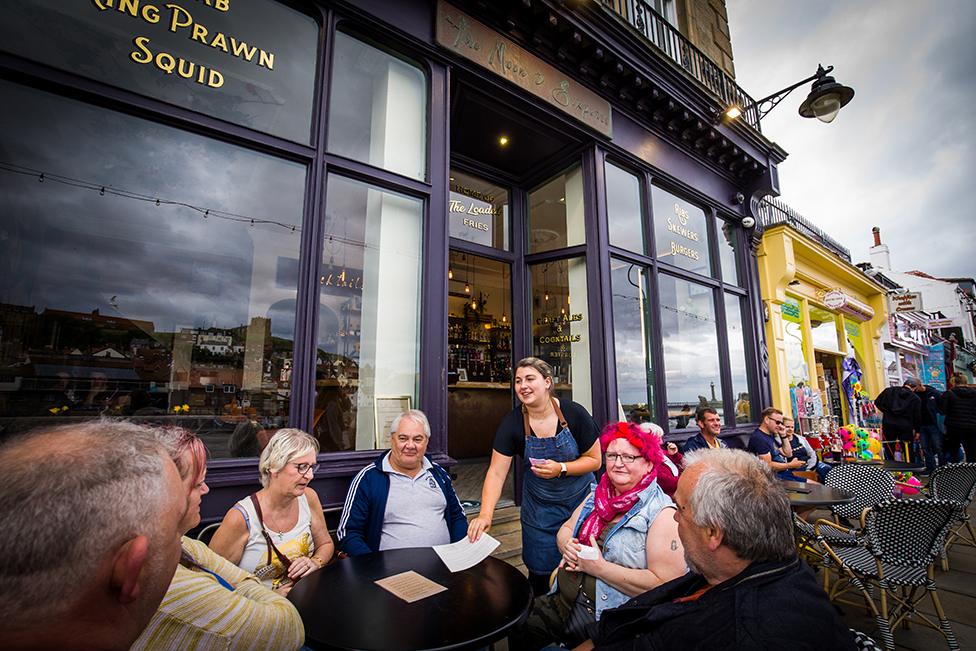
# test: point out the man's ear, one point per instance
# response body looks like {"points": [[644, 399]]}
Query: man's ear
{"points": [[715, 537], [127, 566]]}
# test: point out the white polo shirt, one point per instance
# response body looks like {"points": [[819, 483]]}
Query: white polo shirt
{"points": [[414, 515]]}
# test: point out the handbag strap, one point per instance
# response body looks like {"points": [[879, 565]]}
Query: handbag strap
{"points": [[285, 561]]}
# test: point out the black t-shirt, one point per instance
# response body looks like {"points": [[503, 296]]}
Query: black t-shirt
{"points": [[510, 437]]}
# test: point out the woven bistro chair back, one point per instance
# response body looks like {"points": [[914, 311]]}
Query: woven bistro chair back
{"points": [[870, 485], [910, 533], [956, 481]]}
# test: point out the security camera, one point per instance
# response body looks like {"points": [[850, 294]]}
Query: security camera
{"points": [[748, 222]]}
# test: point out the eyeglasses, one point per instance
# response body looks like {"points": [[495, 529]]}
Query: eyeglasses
{"points": [[303, 468], [627, 459], [778, 422]]}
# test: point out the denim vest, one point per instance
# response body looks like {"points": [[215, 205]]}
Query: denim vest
{"points": [[626, 543]]}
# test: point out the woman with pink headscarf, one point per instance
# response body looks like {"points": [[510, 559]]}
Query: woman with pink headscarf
{"points": [[620, 542]]}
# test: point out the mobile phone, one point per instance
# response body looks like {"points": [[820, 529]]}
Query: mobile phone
{"points": [[536, 462]]}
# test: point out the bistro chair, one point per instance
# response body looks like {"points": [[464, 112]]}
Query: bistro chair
{"points": [[895, 560], [207, 532], [956, 481]]}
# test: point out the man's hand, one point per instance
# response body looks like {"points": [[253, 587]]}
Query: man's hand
{"points": [[478, 526], [585, 646], [797, 463]]}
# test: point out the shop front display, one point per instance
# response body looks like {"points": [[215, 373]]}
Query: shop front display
{"points": [[236, 217]]}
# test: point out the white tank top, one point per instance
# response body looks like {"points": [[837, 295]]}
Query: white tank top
{"points": [[294, 543]]}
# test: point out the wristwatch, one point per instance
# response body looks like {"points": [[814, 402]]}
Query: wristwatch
{"points": [[562, 472]]}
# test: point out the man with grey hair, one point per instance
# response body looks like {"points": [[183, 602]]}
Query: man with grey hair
{"points": [[91, 535], [735, 525], [402, 499]]}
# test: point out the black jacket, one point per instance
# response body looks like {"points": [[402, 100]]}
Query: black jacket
{"points": [[743, 613], [901, 409], [930, 405], [959, 406]]}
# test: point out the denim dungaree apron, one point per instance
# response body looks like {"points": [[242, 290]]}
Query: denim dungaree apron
{"points": [[548, 503]]}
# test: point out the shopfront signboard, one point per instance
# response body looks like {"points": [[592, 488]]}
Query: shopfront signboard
{"points": [[938, 324], [835, 299], [472, 214], [933, 367], [476, 42], [907, 302]]}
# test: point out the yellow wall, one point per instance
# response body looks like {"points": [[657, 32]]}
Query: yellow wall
{"points": [[785, 256]]}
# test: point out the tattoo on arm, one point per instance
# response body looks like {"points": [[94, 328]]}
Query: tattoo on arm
{"points": [[674, 545]]}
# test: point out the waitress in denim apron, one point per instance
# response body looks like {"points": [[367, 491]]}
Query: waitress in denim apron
{"points": [[558, 472]]}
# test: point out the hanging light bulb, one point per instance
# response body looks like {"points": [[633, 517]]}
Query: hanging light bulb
{"points": [[504, 318], [474, 305], [547, 295], [450, 274], [467, 288]]}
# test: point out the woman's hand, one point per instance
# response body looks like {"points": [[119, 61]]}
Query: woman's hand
{"points": [[671, 449], [571, 555], [592, 566], [548, 469], [284, 588], [478, 526], [302, 566]]}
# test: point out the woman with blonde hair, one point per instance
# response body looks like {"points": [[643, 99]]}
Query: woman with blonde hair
{"points": [[279, 532]]}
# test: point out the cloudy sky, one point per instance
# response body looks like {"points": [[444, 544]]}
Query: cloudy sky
{"points": [[900, 156]]}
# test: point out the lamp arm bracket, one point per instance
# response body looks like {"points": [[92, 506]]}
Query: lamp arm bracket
{"points": [[775, 98]]}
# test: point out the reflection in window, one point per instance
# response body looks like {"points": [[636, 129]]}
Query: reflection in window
{"points": [[556, 213], [631, 334], [377, 108], [727, 244], [796, 360], [624, 209], [690, 343], [263, 78], [479, 330], [823, 329], [737, 358], [369, 311], [680, 233], [149, 275], [560, 332], [478, 211]]}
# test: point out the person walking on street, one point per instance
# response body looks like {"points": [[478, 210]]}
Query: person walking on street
{"points": [[930, 430], [901, 412], [959, 406]]}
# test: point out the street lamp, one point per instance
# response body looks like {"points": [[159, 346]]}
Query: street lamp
{"points": [[825, 100]]}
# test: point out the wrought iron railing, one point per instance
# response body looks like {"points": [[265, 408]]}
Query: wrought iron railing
{"points": [[666, 38], [773, 212]]}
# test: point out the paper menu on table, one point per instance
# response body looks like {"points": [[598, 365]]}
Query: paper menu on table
{"points": [[410, 586], [464, 554]]}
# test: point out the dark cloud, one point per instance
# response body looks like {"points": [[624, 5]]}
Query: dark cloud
{"points": [[901, 155]]}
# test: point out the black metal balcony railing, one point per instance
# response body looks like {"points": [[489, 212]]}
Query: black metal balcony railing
{"points": [[773, 212], [666, 38]]}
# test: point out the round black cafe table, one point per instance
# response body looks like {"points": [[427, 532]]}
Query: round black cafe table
{"points": [[810, 495], [342, 607]]}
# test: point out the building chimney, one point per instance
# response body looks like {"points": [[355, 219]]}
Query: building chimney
{"points": [[879, 252]]}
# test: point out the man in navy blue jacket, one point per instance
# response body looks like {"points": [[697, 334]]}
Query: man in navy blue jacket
{"points": [[402, 499]]}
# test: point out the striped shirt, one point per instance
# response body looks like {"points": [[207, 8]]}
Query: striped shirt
{"points": [[198, 613]]}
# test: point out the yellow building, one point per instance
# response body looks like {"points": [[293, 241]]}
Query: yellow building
{"points": [[818, 308]]}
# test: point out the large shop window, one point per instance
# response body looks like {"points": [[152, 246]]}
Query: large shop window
{"points": [[691, 352], [144, 272], [738, 366], [478, 211], [631, 339], [377, 108], [823, 330], [560, 328], [249, 63], [367, 360], [624, 209], [727, 236], [680, 233], [793, 340], [557, 213]]}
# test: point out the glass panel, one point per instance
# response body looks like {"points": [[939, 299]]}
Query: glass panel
{"points": [[728, 239], [135, 283], [369, 312], [377, 108], [823, 329], [479, 353], [250, 63], [691, 356], [560, 333], [680, 233], [737, 358], [556, 213], [478, 211], [631, 334], [624, 209], [793, 338]]}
